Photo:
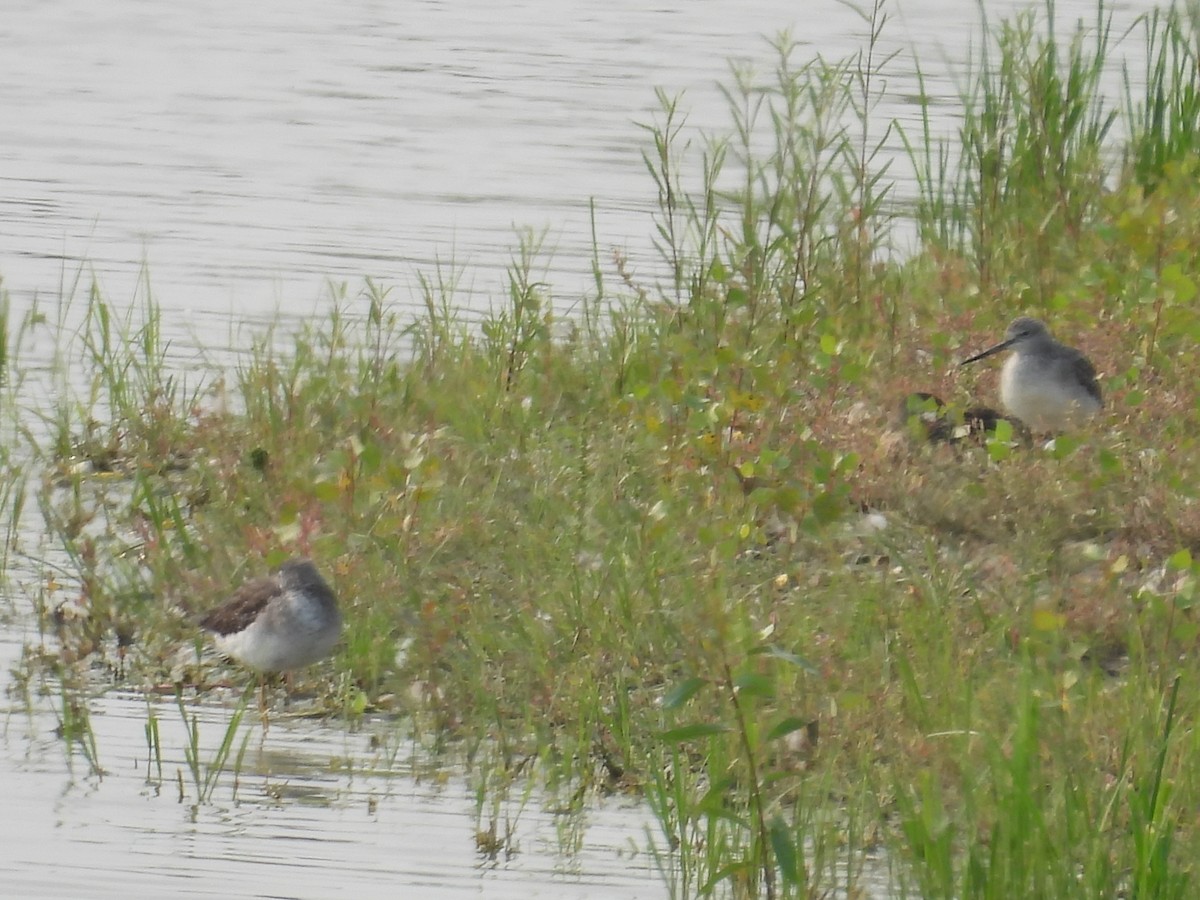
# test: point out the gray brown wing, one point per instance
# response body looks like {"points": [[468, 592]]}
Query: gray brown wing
{"points": [[1085, 374], [243, 607]]}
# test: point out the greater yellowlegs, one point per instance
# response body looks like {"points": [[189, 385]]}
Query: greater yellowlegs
{"points": [[286, 621], [1048, 386]]}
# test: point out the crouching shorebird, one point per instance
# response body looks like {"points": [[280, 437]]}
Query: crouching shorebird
{"points": [[1048, 386], [286, 621], [932, 420]]}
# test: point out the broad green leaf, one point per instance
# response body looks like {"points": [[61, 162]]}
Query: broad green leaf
{"points": [[326, 491], [1048, 620], [784, 845], [828, 506], [715, 803], [786, 727], [754, 685], [739, 871], [370, 457], [683, 692], [777, 652], [998, 450], [1180, 560]]}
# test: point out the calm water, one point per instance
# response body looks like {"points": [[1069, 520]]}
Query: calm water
{"points": [[248, 154], [318, 813]]}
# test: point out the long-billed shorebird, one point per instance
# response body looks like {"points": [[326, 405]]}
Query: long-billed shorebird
{"points": [[276, 624], [1049, 386]]}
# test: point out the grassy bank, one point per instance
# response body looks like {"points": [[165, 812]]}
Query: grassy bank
{"points": [[628, 549]]}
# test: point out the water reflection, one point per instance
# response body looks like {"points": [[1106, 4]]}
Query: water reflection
{"points": [[316, 811]]}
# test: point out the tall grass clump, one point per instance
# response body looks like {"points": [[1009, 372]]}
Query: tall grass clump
{"points": [[786, 203], [206, 773], [1160, 157], [1084, 834], [1029, 163], [1163, 113]]}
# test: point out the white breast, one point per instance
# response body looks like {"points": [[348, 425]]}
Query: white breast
{"points": [[1044, 397]]}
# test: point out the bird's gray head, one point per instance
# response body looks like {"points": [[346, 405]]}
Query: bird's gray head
{"points": [[301, 574], [1021, 331], [1024, 329], [298, 567]]}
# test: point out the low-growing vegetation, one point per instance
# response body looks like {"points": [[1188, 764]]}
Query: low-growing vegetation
{"points": [[680, 542]]}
